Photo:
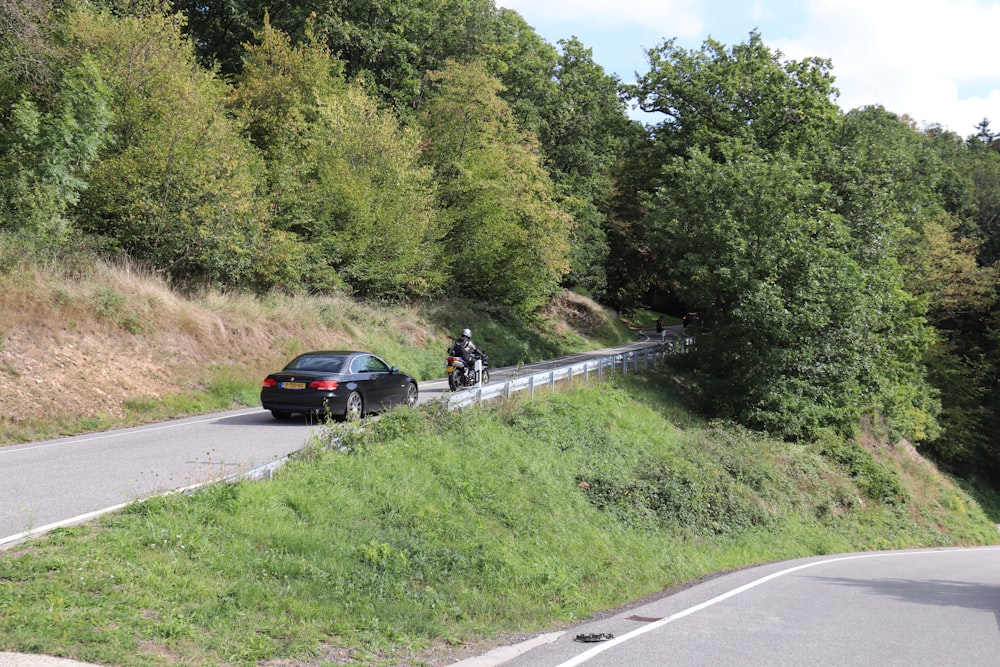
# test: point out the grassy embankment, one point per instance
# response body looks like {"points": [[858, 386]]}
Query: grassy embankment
{"points": [[435, 528]]}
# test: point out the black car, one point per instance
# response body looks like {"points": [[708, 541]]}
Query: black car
{"points": [[692, 319], [343, 384]]}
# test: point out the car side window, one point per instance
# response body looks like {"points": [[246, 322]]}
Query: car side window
{"points": [[359, 365], [376, 365]]}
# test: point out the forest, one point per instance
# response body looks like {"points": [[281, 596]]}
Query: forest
{"points": [[845, 262]]}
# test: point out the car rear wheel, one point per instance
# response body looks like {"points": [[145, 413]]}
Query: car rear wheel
{"points": [[354, 407]]}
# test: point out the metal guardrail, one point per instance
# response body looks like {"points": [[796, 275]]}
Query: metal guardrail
{"points": [[622, 363]]}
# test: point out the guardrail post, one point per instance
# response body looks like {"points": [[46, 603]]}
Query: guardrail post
{"points": [[531, 387], [552, 381]]}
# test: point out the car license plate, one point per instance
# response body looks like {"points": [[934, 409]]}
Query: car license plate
{"points": [[293, 385]]}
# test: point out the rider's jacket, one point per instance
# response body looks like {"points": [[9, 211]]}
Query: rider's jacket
{"points": [[465, 348]]}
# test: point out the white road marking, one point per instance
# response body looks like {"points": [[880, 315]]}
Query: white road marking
{"points": [[73, 440]]}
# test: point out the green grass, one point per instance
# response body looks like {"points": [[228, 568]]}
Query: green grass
{"points": [[985, 493], [430, 526]]}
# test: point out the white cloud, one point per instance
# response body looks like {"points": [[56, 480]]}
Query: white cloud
{"points": [[934, 60]]}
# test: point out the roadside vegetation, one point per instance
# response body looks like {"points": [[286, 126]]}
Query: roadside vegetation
{"points": [[430, 535]]}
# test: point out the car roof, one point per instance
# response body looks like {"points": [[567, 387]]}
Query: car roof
{"points": [[321, 361], [339, 353]]}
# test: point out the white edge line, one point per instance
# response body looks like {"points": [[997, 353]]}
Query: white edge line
{"points": [[72, 440], [604, 646], [10, 539], [264, 470]]}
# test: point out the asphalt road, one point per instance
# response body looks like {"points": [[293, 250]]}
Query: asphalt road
{"points": [[904, 608], [64, 481]]}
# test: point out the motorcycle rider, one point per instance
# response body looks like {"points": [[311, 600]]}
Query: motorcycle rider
{"points": [[464, 347]]}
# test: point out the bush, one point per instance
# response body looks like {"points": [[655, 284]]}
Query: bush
{"points": [[878, 482]]}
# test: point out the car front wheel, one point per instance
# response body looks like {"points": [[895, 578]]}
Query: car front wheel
{"points": [[411, 395]]}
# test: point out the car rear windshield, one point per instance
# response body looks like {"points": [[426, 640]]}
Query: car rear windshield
{"points": [[330, 363]]}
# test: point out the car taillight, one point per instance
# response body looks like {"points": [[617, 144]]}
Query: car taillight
{"points": [[323, 385], [270, 382]]}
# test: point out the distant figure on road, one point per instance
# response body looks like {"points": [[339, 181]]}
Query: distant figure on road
{"points": [[661, 328]]}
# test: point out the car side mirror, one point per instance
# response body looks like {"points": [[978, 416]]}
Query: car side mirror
{"points": [[394, 369]]}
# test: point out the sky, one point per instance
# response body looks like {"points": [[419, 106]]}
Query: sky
{"points": [[937, 61]]}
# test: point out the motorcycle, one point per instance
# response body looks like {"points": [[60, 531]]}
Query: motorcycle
{"points": [[461, 375]]}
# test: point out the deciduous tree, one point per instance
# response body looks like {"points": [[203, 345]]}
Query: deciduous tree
{"points": [[507, 239], [583, 138], [778, 220], [748, 94], [343, 175], [176, 187], [46, 150]]}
